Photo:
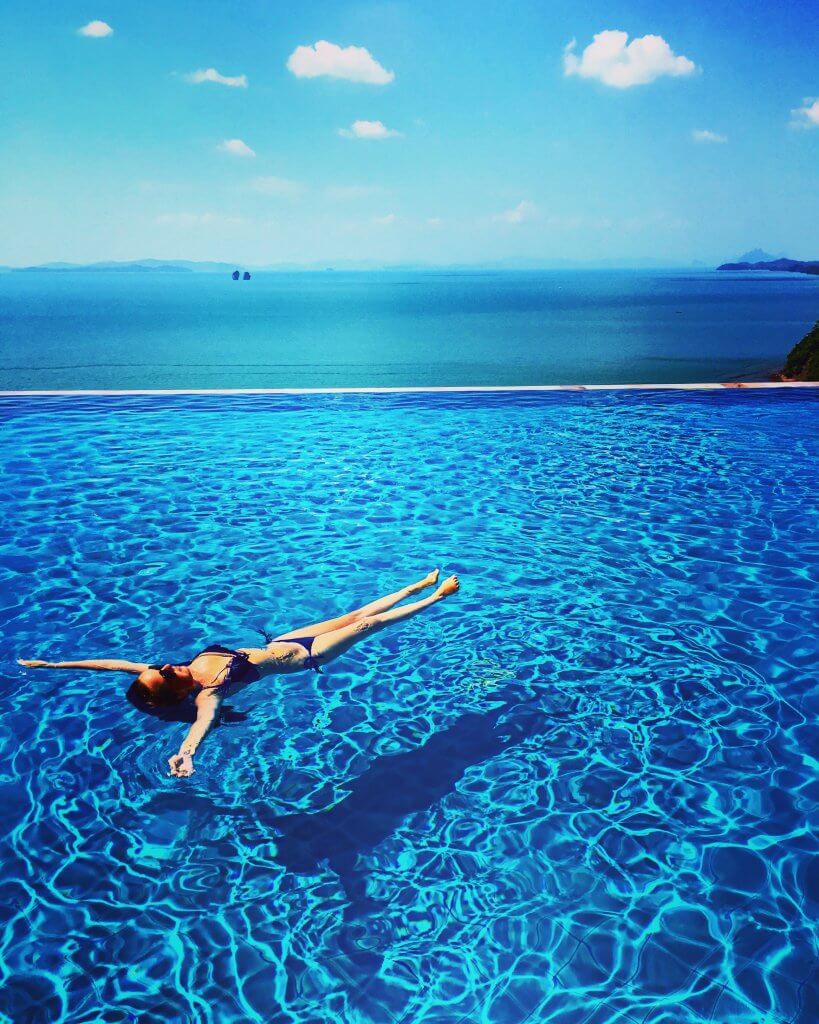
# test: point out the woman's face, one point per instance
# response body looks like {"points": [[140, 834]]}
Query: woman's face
{"points": [[168, 684]]}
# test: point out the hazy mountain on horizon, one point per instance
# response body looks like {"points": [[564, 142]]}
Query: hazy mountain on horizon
{"points": [[130, 266], [135, 266], [757, 256], [150, 265]]}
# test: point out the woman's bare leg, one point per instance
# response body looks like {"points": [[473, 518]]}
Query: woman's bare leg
{"points": [[328, 646], [373, 608]]}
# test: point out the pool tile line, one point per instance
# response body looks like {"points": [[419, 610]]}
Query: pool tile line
{"points": [[743, 962], [773, 1016], [538, 1012], [800, 994], [400, 1017]]}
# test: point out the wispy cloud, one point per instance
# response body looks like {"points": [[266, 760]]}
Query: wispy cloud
{"points": [[434, 222], [212, 75], [236, 148], [703, 135], [96, 30], [657, 220], [354, 63], [577, 222], [388, 218], [345, 192], [614, 61], [270, 185], [806, 116], [525, 210], [187, 219], [149, 186], [368, 130]]}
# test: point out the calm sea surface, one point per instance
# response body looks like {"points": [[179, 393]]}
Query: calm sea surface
{"points": [[93, 330]]}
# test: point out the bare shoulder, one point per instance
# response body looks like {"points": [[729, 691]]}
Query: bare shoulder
{"points": [[208, 698]]}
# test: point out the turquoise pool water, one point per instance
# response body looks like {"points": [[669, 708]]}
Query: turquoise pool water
{"points": [[584, 790]]}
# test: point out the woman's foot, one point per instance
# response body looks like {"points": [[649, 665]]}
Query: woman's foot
{"points": [[428, 581], [450, 585]]}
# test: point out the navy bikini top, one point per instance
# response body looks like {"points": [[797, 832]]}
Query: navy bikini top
{"points": [[239, 669]]}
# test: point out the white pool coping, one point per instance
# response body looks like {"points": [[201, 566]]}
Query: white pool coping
{"points": [[714, 386]]}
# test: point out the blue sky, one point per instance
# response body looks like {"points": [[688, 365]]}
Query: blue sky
{"points": [[465, 133]]}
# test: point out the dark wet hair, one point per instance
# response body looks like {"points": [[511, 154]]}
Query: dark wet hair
{"points": [[149, 701], [183, 710]]}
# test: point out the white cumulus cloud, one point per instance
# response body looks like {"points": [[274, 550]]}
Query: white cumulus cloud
{"points": [[615, 61], [96, 30], [806, 116], [368, 130], [270, 185], [525, 210], [236, 148], [703, 135], [354, 63], [212, 75]]}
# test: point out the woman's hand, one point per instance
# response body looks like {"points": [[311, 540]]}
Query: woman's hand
{"points": [[181, 765], [32, 663]]}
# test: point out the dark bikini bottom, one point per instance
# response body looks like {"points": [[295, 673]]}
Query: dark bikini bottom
{"points": [[307, 643]]}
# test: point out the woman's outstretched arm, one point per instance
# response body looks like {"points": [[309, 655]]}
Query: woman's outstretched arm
{"points": [[207, 711], [99, 664]]}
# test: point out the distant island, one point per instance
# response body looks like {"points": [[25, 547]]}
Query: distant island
{"points": [[789, 266], [803, 359], [146, 266]]}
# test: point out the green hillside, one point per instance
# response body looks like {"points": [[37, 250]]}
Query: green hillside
{"points": [[803, 360]]}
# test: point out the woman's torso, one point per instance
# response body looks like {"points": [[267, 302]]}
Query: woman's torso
{"points": [[226, 669]]}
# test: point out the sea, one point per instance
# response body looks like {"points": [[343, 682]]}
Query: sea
{"points": [[90, 330]]}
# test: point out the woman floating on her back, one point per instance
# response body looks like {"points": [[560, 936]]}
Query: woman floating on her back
{"points": [[216, 670]]}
